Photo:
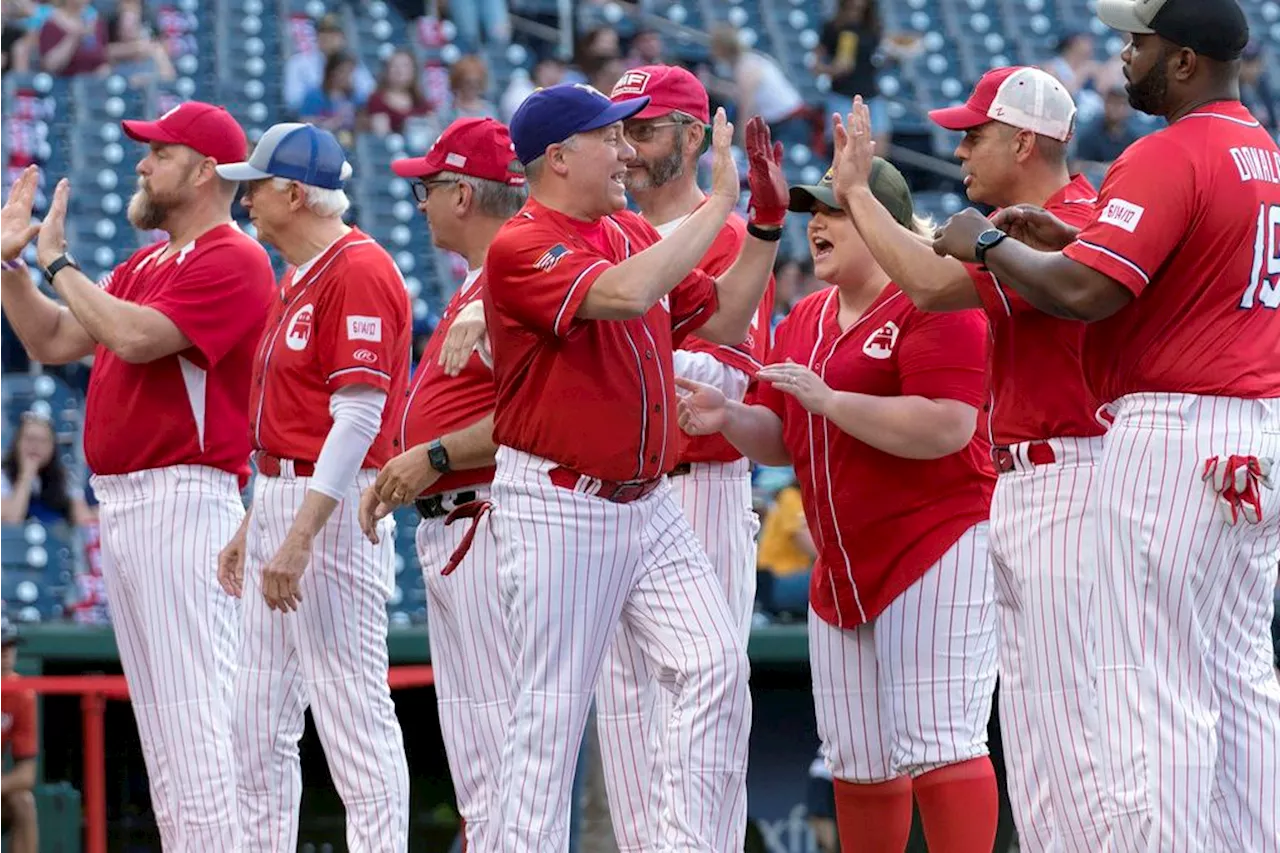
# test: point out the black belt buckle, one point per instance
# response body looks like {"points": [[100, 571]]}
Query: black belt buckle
{"points": [[681, 470], [1002, 458], [627, 492]]}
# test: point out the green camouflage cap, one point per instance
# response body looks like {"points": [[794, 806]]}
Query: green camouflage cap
{"points": [[887, 185]]}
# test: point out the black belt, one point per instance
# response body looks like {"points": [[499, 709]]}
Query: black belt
{"points": [[681, 470], [432, 506]]}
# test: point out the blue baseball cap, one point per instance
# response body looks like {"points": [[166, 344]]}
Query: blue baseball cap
{"points": [[295, 152], [554, 114]]}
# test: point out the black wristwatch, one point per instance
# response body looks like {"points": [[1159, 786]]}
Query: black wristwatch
{"points": [[987, 241], [439, 456], [63, 260]]}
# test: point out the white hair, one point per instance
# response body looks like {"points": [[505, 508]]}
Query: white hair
{"points": [[325, 203], [493, 198]]}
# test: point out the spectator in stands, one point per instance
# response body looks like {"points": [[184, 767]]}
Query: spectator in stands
{"points": [[468, 83], [334, 104], [603, 73], [785, 557], [647, 48], [305, 70], [548, 72], [73, 40], [398, 97], [469, 15], [18, 38], [795, 280], [758, 86], [595, 44], [846, 53], [1103, 140], [132, 47], [1255, 87], [21, 743], [1076, 68], [35, 484]]}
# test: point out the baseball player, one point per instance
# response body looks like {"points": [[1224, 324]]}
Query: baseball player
{"points": [[584, 303], [712, 480], [467, 185], [1177, 270], [336, 347], [876, 404], [172, 332], [20, 742], [1017, 124]]}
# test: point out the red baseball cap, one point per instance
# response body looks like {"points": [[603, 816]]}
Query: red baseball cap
{"points": [[203, 127], [1024, 97], [479, 147], [670, 88]]}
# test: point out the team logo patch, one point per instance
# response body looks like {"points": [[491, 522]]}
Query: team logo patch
{"points": [[631, 83], [299, 330], [551, 257], [368, 356], [1123, 214], [881, 342], [361, 328]]}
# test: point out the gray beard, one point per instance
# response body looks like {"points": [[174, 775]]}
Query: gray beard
{"points": [[144, 214], [662, 171]]}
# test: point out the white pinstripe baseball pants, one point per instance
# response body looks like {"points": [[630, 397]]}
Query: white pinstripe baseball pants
{"points": [[329, 655], [472, 663], [631, 709], [178, 635], [1189, 702], [573, 567], [911, 691], [1042, 548]]}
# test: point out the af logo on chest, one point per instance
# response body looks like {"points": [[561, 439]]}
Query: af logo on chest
{"points": [[881, 342], [298, 332]]}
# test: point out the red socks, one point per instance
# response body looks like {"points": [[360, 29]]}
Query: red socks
{"points": [[874, 818], [958, 807]]}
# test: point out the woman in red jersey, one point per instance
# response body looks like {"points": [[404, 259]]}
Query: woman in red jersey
{"points": [[877, 405]]}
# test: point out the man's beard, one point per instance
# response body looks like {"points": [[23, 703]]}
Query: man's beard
{"points": [[1148, 94], [657, 172], [147, 211]]}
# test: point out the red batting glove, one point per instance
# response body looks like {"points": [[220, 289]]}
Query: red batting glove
{"points": [[1238, 482], [769, 193]]}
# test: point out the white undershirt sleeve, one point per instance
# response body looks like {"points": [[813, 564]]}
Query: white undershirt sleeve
{"points": [[357, 417], [709, 370]]}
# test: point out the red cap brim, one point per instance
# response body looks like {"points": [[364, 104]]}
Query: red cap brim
{"points": [[414, 167], [963, 117], [146, 131]]}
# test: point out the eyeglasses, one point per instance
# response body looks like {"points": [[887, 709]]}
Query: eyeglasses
{"points": [[422, 189], [646, 132]]}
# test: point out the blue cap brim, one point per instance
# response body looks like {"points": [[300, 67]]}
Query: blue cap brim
{"points": [[616, 112]]}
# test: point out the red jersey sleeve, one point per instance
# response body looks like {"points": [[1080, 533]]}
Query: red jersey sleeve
{"points": [[537, 279], [944, 357], [362, 324], [222, 295], [693, 301], [23, 736], [1144, 210]]}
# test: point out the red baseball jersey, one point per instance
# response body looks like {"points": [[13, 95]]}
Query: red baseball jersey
{"points": [[1188, 219], [749, 356], [595, 396], [1037, 376], [880, 521], [191, 408], [437, 404], [342, 319], [18, 711]]}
